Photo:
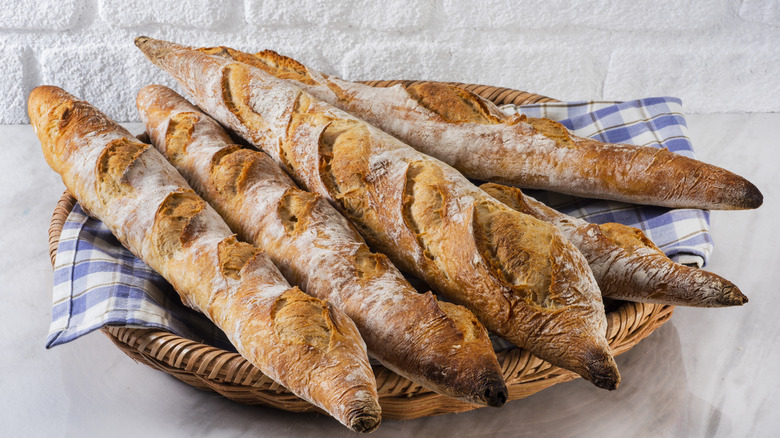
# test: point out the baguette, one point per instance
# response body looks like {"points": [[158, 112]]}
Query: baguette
{"points": [[477, 138], [302, 342], [436, 344], [625, 263], [521, 278]]}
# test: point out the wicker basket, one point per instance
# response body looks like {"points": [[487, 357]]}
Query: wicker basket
{"points": [[209, 368]]}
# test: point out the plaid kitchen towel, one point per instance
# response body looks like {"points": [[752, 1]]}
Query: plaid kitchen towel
{"points": [[98, 282]]}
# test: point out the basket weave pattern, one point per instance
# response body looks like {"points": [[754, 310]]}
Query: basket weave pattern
{"points": [[209, 368]]}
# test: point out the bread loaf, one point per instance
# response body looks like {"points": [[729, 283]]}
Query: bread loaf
{"points": [[302, 342], [436, 344], [625, 263], [521, 278], [474, 136]]}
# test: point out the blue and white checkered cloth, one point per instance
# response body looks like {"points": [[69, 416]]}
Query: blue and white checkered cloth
{"points": [[98, 282]]}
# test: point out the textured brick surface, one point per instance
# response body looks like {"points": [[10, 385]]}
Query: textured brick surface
{"points": [[107, 77], [192, 13], [13, 109], [711, 79], [379, 15], [717, 55], [39, 15], [560, 73], [559, 14]]}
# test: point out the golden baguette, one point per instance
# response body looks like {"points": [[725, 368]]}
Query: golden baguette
{"points": [[474, 136], [302, 342], [625, 263], [518, 274], [439, 345]]}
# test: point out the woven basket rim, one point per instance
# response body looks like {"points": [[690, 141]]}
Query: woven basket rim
{"points": [[227, 373]]}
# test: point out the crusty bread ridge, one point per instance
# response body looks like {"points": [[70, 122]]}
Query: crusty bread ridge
{"points": [[625, 263], [670, 283], [303, 343], [516, 273], [474, 136], [437, 344]]}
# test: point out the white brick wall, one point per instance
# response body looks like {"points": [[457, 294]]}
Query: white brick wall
{"points": [[717, 55], [108, 77], [198, 14], [569, 72], [11, 89], [716, 78], [385, 15], [39, 15], [633, 15]]}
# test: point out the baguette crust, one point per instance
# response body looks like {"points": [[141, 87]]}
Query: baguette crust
{"points": [[626, 264], [439, 345], [474, 136], [301, 342], [422, 213]]}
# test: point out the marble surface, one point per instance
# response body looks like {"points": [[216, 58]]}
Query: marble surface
{"points": [[708, 372]]}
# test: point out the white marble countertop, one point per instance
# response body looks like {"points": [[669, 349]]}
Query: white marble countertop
{"points": [[708, 372]]}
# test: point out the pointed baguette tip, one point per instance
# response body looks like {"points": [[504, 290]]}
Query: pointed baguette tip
{"points": [[363, 413], [610, 383], [753, 197], [364, 423], [154, 49], [495, 394], [738, 193], [147, 46], [602, 370], [141, 40], [732, 296]]}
